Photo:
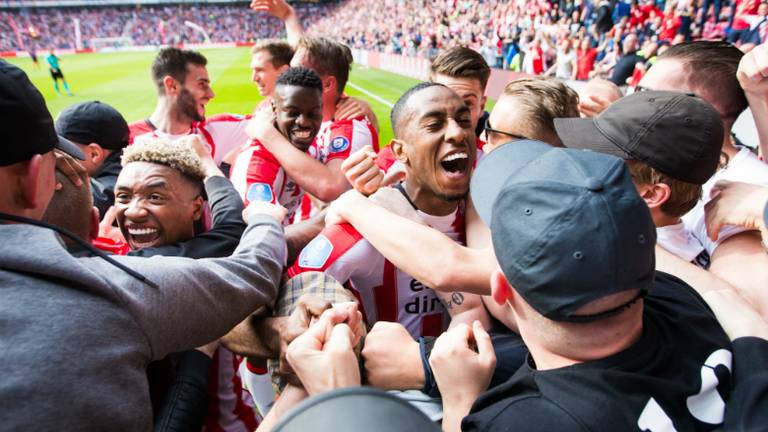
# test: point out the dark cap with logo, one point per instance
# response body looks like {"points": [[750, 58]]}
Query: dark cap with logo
{"points": [[26, 123], [568, 226], [93, 122], [678, 134]]}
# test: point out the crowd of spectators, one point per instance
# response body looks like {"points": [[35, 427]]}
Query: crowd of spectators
{"points": [[144, 25]]}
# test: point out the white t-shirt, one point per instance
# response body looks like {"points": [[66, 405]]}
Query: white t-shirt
{"points": [[679, 241], [744, 167]]}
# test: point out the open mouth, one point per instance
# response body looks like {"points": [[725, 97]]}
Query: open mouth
{"points": [[302, 134], [142, 237], [455, 164]]}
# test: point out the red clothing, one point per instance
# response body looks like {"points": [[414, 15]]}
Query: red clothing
{"points": [[669, 27], [585, 62]]}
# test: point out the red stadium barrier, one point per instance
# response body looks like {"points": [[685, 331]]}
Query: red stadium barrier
{"points": [[7, 53]]}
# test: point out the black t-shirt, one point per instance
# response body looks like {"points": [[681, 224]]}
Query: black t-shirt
{"points": [[747, 408], [624, 68], [654, 384]]}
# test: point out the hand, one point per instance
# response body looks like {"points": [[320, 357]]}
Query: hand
{"points": [[209, 349], [309, 309], [593, 106], [463, 373], [107, 228], [277, 8], [261, 126], [350, 108], [276, 211], [71, 168], [735, 203], [753, 70], [203, 151], [361, 171], [323, 357], [392, 359], [346, 202]]}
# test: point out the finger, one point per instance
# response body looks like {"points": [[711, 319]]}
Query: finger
{"points": [[340, 339], [393, 177], [483, 341], [363, 166], [313, 305], [356, 158]]}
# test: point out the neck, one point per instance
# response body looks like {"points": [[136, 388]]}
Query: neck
{"points": [[167, 120], [728, 147], [426, 201], [602, 343], [329, 106], [661, 220]]}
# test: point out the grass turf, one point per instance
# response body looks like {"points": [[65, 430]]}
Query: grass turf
{"points": [[123, 81]]}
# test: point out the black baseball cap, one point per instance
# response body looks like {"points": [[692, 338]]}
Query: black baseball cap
{"points": [[678, 134], [93, 122], [355, 409], [568, 226], [26, 123]]}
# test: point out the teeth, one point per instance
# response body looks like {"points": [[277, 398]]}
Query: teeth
{"points": [[455, 156], [141, 231], [301, 134]]}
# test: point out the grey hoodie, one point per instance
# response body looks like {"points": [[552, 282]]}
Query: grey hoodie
{"points": [[76, 334]]}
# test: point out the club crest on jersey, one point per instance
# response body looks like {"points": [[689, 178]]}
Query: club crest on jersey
{"points": [[259, 192], [339, 144], [316, 253]]}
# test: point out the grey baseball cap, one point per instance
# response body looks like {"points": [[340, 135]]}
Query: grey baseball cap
{"points": [[678, 134], [568, 226]]}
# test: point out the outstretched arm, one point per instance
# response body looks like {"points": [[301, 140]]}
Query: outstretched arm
{"points": [[455, 268]]}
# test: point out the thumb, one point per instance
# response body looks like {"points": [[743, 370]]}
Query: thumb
{"points": [[340, 339], [483, 341]]}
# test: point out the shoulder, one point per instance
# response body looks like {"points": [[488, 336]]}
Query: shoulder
{"points": [[225, 118]]}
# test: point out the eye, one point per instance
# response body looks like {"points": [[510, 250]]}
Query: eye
{"points": [[122, 198], [156, 197], [434, 126]]}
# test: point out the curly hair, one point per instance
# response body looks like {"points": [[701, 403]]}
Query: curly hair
{"points": [[173, 154], [300, 77]]}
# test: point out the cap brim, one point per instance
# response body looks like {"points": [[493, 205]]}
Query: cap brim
{"points": [[496, 168], [579, 133], [69, 148]]}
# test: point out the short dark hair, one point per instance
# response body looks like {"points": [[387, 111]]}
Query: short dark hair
{"points": [[398, 110], [328, 57], [173, 62], [713, 65], [461, 62], [300, 77], [70, 207], [280, 51]]}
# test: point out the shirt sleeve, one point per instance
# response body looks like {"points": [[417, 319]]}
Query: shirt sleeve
{"points": [[332, 252], [261, 179], [348, 136], [192, 302]]}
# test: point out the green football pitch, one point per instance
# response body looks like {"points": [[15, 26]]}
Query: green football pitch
{"points": [[123, 80]]}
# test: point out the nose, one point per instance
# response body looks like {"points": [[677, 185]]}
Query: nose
{"points": [[254, 76], [135, 210], [210, 94], [302, 121], [454, 132]]}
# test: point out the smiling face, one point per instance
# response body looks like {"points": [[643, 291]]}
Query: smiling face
{"points": [[156, 205], [195, 93], [298, 113], [437, 143], [264, 73]]}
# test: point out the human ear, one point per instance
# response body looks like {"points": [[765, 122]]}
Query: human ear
{"points": [[398, 149], [198, 204], [30, 180]]}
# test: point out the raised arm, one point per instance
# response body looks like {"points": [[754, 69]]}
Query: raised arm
{"points": [[281, 10], [413, 249], [752, 73]]}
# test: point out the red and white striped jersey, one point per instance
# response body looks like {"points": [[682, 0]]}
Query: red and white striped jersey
{"points": [[258, 176], [230, 407], [337, 139], [385, 292], [222, 132]]}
